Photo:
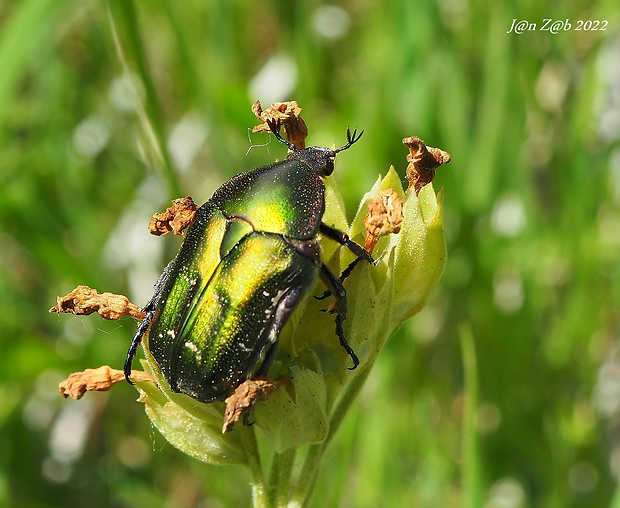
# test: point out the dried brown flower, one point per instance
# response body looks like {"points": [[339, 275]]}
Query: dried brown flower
{"points": [[176, 218], [96, 380], [287, 114], [384, 217], [245, 396], [423, 161], [83, 301]]}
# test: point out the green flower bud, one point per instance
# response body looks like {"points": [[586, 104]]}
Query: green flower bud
{"points": [[310, 357]]}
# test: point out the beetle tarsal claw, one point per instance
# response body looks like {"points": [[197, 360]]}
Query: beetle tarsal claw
{"points": [[354, 357]]}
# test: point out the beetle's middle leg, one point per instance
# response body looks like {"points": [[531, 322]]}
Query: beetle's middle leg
{"points": [[335, 287]]}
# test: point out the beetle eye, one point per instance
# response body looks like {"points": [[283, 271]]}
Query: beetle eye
{"points": [[329, 166]]}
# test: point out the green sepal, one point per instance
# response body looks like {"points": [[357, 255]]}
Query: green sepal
{"points": [[296, 415], [190, 426]]}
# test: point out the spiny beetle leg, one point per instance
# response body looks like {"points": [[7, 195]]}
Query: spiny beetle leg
{"points": [[349, 269], [343, 239], [345, 273], [135, 343], [336, 288], [283, 310], [343, 342], [274, 126], [149, 308]]}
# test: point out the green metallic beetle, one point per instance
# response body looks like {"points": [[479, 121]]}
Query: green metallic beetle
{"points": [[247, 261]]}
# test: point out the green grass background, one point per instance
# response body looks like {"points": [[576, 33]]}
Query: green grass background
{"points": [[504, 392]]}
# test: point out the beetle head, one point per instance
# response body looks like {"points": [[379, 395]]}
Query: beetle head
{"points": [[318, 158]]}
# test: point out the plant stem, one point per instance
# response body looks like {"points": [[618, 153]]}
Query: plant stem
{"points": [[309, 473], [280, 477], [260, 498], [344, 404], [471, 463], [300, 494]]}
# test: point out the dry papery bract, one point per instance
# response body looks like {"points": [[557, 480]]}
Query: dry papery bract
{"points": [[246, 395], [84, 300], [287, 115], [97, 380], [176, 217], [423, 161], [384, 217]]}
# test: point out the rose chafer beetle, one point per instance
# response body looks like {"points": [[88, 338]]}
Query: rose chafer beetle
{"points": [[247, 261]]}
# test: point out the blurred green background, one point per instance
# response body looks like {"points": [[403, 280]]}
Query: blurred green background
{"points": [[504, 392]]}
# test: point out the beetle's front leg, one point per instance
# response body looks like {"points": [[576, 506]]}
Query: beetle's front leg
{"points": [[335, 287], [343, 239]]}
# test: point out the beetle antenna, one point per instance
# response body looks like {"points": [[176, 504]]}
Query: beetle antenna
{"points": [[274, 125], [350, 139]]}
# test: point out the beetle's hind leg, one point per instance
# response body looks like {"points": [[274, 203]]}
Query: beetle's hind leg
{"points": [[282, 311], [335, 287], [135, 343], [149, 309]]}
